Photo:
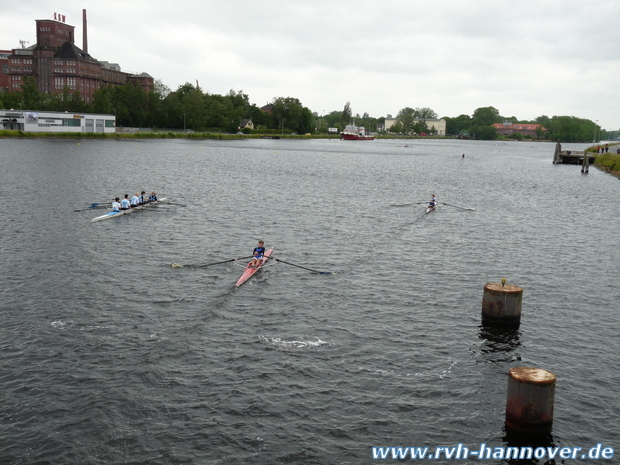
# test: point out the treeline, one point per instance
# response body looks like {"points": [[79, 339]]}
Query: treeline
{"points": [[557, 128], [189, 108]]}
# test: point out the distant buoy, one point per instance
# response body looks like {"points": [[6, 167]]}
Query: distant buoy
{"points": [[501, 304], [529, 404]]}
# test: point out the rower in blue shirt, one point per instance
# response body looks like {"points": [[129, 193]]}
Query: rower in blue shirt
{"points": [[135, 200], [258, 253], [116, 206], [125, 204], [141, 198]]}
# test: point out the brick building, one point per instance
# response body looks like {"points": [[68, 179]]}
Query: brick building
{"points": [[55, 62], [4, 70], [508, 128]]}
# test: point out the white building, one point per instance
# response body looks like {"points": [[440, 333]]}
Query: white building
{"points": [[435, 126], [49, 121]]}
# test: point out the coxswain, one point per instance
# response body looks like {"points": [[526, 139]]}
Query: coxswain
{"points": [[116, 206], [153, 197], [135, 200], [258, 253], [125, 204]]}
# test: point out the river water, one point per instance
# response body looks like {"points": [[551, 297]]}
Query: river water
{"points": [[109, 355]]}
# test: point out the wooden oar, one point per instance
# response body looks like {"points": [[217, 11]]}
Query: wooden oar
{"points": [[176, 265], [470, 209], [302, 267]]}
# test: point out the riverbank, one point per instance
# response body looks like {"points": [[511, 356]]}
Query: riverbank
{"points": [[607, 162], [183, 135]]}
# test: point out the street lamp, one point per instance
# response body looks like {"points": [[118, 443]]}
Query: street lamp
{"points": [[594, 140]]}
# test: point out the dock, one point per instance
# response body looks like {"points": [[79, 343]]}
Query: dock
{"points": [[571, 157]]}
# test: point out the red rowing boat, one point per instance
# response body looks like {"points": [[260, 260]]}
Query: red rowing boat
{"points": [[249, 272]]}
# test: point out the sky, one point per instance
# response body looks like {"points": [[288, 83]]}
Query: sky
{"points": [[526, 59]]}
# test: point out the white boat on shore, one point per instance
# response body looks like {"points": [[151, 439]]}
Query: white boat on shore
{"points": [[113, 214]]}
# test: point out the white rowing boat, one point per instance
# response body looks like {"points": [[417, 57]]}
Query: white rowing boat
{"points": [[431, 208], [112, 214]]}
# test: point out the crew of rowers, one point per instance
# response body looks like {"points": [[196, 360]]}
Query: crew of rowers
{"points": [[135, 201]]}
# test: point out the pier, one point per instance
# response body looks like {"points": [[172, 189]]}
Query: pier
{"points": [[571, 157]]}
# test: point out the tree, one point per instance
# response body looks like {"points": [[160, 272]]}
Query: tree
{"points": [[347, 114], [290, 112], [457, 125], [486, 116], [31, 95], [425, 113], [406, 117]]}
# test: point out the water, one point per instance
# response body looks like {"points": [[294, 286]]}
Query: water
{"points": [[111, 356]]}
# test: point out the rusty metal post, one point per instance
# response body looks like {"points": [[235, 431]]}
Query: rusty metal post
{"points": [[529, 404], [501, 304]]}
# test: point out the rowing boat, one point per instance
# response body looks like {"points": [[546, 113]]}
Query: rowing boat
{"points": [[249, 272], [109, 215], [431, 208]]}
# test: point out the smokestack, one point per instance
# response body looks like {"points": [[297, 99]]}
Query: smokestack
{"points": [[84, 33]]}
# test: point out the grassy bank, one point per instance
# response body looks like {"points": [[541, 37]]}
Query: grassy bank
{"points": [[608, 162]]}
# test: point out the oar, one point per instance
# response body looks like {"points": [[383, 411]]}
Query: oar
{"points": [[95, 205], [470, 209], [302, 267], [176, 265], [92, 208]]}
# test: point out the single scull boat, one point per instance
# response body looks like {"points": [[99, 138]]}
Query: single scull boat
{"points": [[430, 209], [109, 215], [249, 272]]}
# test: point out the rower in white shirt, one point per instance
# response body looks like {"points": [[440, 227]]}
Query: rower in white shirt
{"points": [[135, 200], [116, 206]]}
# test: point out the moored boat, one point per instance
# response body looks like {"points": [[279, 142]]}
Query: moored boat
{"points": [[353, 132], [249, 272], [113, 214]]}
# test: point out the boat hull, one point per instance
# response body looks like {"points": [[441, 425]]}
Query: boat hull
{"points": [[430, 209], [111, 215], [355, 137], [249, 272]]}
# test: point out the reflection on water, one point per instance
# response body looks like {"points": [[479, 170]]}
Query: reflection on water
{"points": [[499, 344], [531, 442]]}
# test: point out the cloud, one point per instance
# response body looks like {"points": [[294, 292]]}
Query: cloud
{"points": [[526, 59]]}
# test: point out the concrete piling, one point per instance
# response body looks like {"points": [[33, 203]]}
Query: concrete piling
{"points": [[529, 404], [501, 304]]}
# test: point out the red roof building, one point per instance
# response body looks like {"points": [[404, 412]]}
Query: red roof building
{"points": [[508, 128]]}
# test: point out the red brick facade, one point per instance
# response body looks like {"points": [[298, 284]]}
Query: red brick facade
{"points": [[55, 63], [507, 129]]}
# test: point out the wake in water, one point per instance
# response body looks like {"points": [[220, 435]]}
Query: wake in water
{"points": [[293, 344]]}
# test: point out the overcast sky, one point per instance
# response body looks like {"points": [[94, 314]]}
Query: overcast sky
{"points": [[526, 58]]}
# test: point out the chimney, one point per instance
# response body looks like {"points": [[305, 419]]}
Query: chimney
{"points": [[84, 33]]}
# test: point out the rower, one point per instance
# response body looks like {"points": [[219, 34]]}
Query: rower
{"points": [[141, 198], [258, 255], [125, 204], [433, 201], [116, 206], [135, 200]]}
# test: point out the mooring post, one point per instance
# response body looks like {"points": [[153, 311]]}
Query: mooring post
{"points": [[529, 404], [585, 165], [501, 304]]}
